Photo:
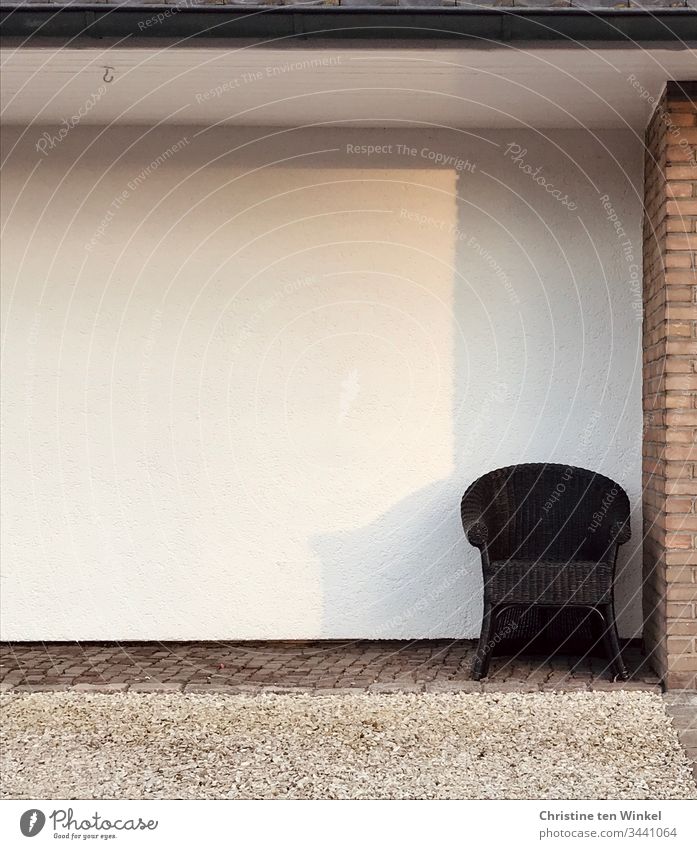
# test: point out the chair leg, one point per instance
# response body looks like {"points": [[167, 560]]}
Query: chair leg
{"points": [[612, 643], [480, 667]]}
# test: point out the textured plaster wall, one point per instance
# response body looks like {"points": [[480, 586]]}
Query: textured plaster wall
{"points": [[246, 385]]}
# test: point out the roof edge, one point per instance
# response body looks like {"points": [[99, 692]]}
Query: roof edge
{"points": [[34, 23]]}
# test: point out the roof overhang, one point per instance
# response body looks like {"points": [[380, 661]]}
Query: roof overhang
{"points": [[298, 84]]}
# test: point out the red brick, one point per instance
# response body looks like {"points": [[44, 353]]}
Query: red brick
{"points": [[680, 119], [683, 541], [678, 260], [681, 172], [681, 592], [675, 504], [681, 207], [679, 190]]}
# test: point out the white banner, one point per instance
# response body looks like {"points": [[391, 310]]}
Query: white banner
{"points": [[355, 824]]}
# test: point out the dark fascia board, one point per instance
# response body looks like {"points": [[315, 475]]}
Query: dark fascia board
{"points": [[32, 23], [682, 90]]}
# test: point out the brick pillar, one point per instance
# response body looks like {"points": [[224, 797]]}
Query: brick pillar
{"points": [[670, 387]]}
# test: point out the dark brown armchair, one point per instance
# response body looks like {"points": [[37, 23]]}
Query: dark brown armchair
{"points": [[548, 536]]}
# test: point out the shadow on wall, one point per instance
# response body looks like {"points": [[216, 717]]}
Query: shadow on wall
{"points": [[536, 298]]}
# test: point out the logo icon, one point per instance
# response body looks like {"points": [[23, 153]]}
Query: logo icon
{"points": [[31, 822]]}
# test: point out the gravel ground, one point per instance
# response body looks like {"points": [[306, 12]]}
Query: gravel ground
{"points": [[617, 745]]}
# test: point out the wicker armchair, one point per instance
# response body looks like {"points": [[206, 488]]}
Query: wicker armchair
{"points": [[548, 536]]}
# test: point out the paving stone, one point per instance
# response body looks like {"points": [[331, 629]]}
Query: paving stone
{"points": [[688, 738], [229, 689], [392, 687], [639, 685], [565, 683], [156, 687], [510, 687], [390, 665], [337, 691], [454, 687], [683, 713], [99, 688], [680, 698]]}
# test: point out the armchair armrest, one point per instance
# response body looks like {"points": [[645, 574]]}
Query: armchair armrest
{"points": [[472, 510], [477, 534], [620, 531]]}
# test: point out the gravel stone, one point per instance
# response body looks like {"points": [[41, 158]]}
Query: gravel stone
{"points": [[618, 745]]}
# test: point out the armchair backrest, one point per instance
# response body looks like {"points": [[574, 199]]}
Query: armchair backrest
{"points": [[549, 511]]}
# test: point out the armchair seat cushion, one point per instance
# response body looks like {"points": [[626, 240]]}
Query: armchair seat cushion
{"points": [[549, 582]]}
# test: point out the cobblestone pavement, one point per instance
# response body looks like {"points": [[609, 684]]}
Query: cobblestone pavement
{"points": [[247, 667], [682, 708]]}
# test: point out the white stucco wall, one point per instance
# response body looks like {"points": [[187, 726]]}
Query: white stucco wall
{"points": [[244, 392]]}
